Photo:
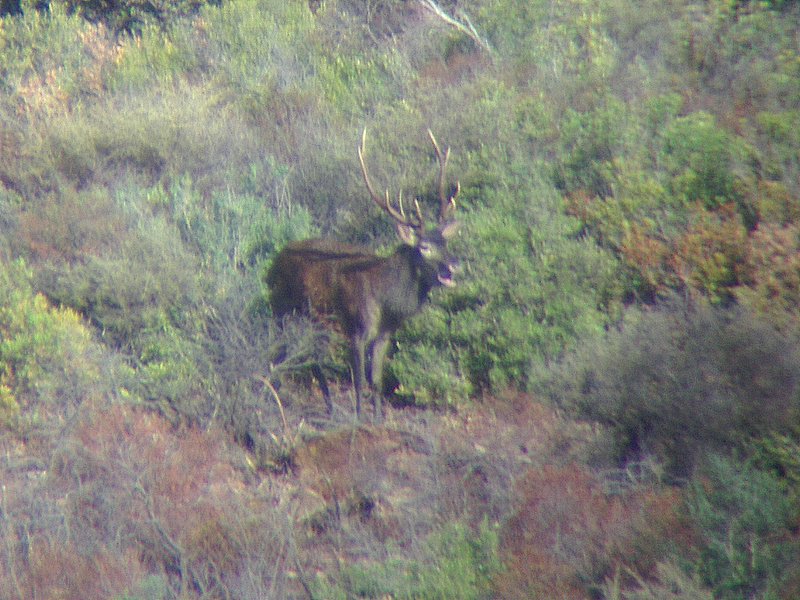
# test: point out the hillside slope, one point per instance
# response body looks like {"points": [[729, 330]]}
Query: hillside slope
{"points": [[607, 405]]}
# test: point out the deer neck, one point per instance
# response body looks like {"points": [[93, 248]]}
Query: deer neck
{"points": [[411, 282]]}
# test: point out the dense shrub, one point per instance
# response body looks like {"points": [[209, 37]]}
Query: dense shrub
{"points": [[49, 58], [701, 160], [148, 283], [226, 230], [131, 16], [774, 273], [130, 507], [711, 255], [145, 137], [591, 143], [684, 380], [70, 226], [697, 155], [778, 137], [676, 210]]}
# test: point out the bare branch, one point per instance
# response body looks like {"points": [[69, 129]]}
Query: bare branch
{"points": [[466, 27]]}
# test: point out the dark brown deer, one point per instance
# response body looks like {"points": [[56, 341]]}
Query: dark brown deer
{"points": [[366, 295]]}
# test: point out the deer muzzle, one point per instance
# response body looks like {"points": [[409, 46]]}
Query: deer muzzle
{"points": [[447, 270]]}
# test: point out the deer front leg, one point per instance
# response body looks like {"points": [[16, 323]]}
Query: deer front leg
{"points": [[359, 369], [377, 356]]}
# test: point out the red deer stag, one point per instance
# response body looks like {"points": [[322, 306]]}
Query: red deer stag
{"points": [[369, 296]]}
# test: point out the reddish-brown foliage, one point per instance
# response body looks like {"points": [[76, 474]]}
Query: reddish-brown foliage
{"points": [[711, 255], [707, 251], [647, 256], [568, 535], [137, 497], [338, 465], [357, 482], [775, 269]]}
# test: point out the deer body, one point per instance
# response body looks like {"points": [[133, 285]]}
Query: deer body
{"points": [[366, 295]]}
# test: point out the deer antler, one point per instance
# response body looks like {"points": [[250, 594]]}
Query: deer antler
{"points": [[383, 201], [446, 205]]}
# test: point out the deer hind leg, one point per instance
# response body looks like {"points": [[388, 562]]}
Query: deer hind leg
{"points": [[319, 375]]}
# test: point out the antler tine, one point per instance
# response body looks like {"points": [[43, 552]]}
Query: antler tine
{"points": [[419, 212], [384, 202], [446, 205]]}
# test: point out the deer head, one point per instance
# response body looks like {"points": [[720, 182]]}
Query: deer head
{"points": [[431, 244]]}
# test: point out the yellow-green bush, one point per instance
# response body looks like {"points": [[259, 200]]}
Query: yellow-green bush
{"points": [[48, 360]]}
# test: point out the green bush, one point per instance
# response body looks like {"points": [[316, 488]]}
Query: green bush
{"points": [[738, 53], [144, 137], [780, 134], [529, 289], [590, 143], [455, 563], [144, 301], [149, 282], [228, 230], [422, 373], [259, 54], [462, 564], [778, 454], [154, 57], [699, 158], [563, 50], [49, 58]]}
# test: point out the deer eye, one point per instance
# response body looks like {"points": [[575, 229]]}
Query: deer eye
{"points": [[427, 249]]}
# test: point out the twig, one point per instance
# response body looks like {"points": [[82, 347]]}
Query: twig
{"points": [[8, 543], [272, 389]]}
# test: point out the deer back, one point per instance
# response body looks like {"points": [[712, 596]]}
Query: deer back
{"points": [[324, 278], [304, 275]]}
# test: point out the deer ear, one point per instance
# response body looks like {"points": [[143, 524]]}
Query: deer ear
{"points": [[407, 234], [449, 229]]}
